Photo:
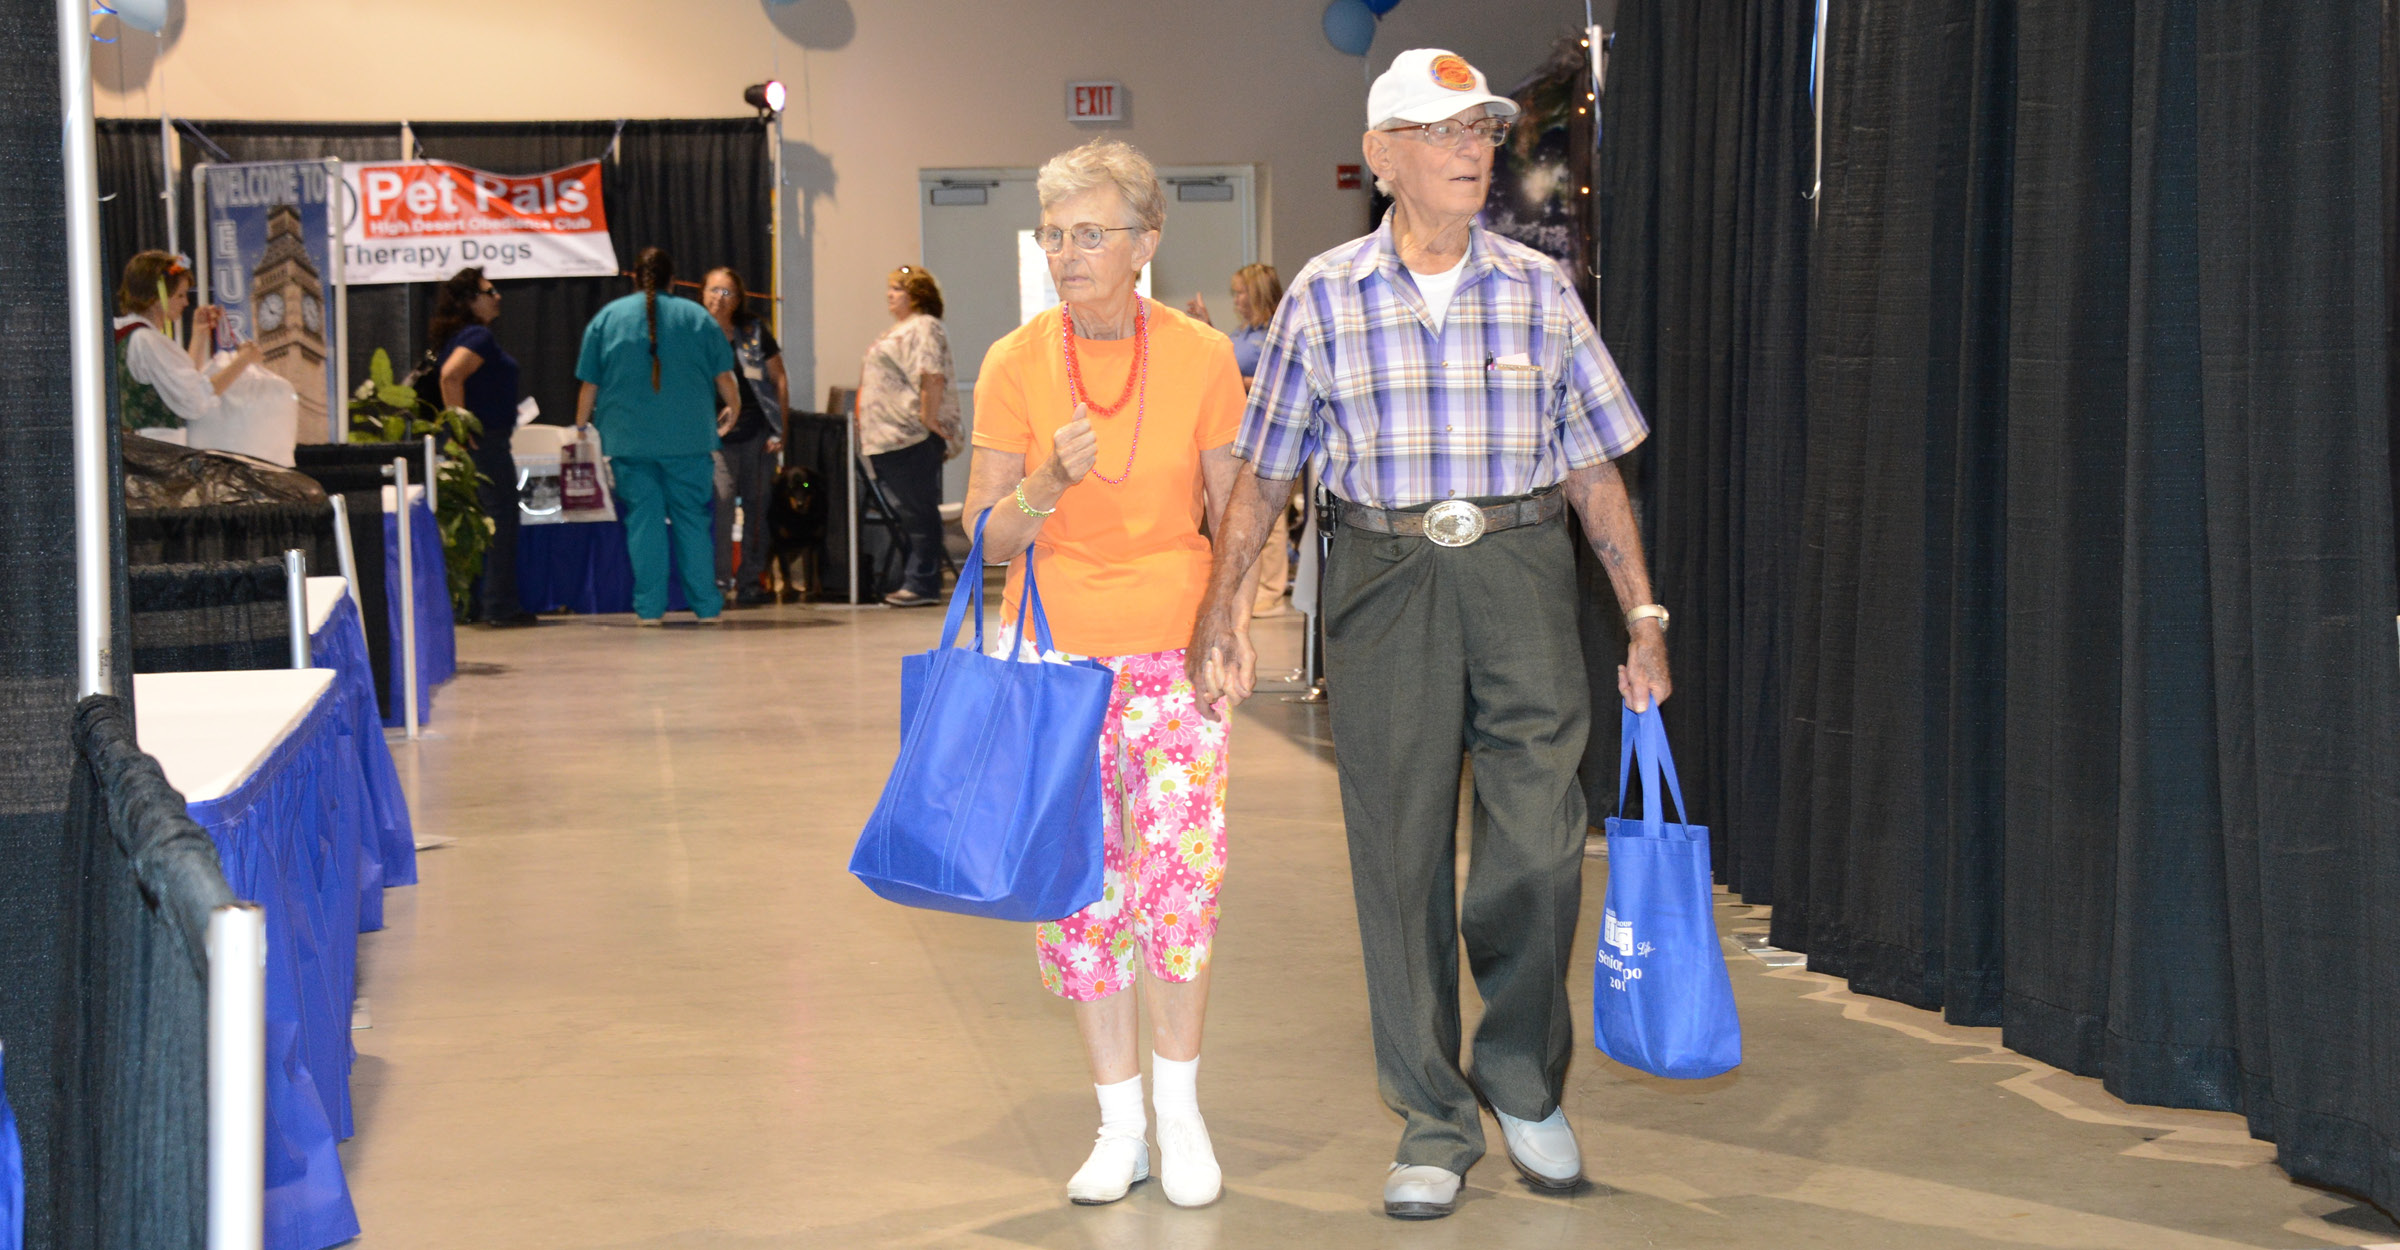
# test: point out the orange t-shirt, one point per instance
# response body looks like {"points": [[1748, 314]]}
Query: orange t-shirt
{"points": [[1123, 568]]}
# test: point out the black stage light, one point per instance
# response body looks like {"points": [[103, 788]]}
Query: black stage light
{"points": [[767, 97]]}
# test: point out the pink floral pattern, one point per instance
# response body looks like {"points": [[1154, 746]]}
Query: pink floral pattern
{"points": [[1162, 781]]}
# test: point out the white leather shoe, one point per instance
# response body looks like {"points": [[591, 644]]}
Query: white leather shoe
{"points": [[1187, 1163], [1117, 1164], [1544, 1151], [1420, 1191]]}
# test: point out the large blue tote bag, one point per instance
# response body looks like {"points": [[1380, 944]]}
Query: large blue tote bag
{"points": [[1661, 998], [993, 808]]}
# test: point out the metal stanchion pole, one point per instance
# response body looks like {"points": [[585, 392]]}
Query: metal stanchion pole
{"points": [[349, 558], [850, 437], [87, 366], [295, 590], [408, 599], [237, 1077]]}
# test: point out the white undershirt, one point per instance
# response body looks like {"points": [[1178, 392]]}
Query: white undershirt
{"points": [[1437, 288]]}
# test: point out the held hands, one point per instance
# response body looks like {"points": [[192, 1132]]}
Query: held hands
{"points": [[1222, 665], [1642, 679], [1074, 449], [206, 317]]}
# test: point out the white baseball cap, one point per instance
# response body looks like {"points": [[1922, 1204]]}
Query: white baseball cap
{"points": [[1428, 85]]}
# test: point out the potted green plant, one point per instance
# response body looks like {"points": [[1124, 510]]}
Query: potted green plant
{"points": [[383, 410]]}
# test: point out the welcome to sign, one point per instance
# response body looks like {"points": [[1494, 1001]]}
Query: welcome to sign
{"points": [[422, 221]]}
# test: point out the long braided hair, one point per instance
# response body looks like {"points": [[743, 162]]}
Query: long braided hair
{"points": [[654, 272]]}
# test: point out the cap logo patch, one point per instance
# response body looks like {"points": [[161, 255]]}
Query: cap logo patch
{"points": [[1454, 73]]}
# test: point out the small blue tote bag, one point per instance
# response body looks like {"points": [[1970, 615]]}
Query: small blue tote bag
{"points": [[993, 808], [1661, 998]]}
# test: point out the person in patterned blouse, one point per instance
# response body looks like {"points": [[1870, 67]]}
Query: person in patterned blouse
{"points": [[1451, 393]]}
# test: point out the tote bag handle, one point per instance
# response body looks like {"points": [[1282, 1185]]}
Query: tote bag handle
{"points": [[1649, 730], [970, 587]]}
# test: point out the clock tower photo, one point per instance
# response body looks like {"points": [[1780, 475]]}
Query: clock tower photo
{"points": [[287, 302]]}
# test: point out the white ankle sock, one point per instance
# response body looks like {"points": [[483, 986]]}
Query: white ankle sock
{"points": [[1121, 1112], [1174, 1085]]}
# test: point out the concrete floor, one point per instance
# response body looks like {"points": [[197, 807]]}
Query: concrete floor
{"points": [[639, 1003]]}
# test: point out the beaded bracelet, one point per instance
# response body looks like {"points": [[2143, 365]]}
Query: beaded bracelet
{"points": [[1029, 509]]}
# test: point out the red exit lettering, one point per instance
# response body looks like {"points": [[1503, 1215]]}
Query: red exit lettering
{"points": [[1092, 101]]}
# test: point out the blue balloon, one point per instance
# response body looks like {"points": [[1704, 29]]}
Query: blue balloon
{"points": [[1381, 7], [1350, 26]]}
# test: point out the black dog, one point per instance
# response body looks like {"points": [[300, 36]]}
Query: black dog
{"points": [[796, 530]]}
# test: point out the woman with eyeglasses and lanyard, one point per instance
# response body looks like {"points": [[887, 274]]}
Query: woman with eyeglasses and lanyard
{"points": [[1103, 439], [746, 460], [908, 424], [477, 374]]}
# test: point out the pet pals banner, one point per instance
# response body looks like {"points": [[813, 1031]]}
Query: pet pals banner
{"points": [[422, 221]]}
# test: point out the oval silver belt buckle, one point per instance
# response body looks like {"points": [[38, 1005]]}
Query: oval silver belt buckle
{"points": [[1453, 523]]}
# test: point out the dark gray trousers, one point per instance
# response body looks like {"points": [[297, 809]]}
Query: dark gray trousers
{"points": [[1430, 652]]}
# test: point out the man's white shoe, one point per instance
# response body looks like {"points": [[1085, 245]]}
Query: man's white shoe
{"points": [[1543, 1150], [1117, 1164], [1187, 1163], [1420, 1191]]}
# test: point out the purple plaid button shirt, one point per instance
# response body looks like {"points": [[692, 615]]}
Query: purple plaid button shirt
{"points": [[1515, 391]]}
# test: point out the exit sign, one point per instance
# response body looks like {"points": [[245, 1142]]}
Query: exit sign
{"points": [[1095, 101]]}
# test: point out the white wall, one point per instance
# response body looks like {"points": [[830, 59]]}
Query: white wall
{"points": [[880, 89]]}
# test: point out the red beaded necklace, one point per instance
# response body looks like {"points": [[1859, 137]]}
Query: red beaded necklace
{"points": [[1137, 385]]}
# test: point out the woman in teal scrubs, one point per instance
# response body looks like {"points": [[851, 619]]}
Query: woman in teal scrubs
{"points": [[658, 378]]}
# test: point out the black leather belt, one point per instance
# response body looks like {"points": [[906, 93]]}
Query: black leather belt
{"points": [[1452, 522]]}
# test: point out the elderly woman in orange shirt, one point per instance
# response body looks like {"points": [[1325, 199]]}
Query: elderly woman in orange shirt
{"points": [[1102, 428]]}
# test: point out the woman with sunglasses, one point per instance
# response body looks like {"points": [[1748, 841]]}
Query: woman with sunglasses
{"points": [[163, 386], [479, 375], [1103, 439]]}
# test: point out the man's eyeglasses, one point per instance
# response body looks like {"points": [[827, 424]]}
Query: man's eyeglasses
{"points": [[1450, 134], [1088, 237]]}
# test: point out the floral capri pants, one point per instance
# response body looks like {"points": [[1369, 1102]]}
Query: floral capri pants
{"points": [[1162, 786]]}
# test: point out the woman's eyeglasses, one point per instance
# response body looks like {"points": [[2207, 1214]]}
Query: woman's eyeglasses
{"points": [[1088, 237], [492, 291]]}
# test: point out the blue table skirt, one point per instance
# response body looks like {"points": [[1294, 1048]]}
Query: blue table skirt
{"points": [[390, 857], [290, 837], [581, 566], [437, 632]]}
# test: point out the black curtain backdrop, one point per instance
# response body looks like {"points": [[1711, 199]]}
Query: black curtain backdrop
{"points": [[699, 188], [1704, 286], [2089, 727], [43, 881], [37, 650]]}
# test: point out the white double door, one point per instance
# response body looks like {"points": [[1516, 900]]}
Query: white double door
{"points": [[976, 237]]}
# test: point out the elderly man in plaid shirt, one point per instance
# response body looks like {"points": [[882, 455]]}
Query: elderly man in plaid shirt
{"points": [[1456, 401]]}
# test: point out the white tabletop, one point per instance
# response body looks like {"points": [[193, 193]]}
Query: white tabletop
{"points": [[324, 595], [416, 494], [210, 731]]}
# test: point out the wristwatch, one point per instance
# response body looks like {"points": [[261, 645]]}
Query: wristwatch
{"points": [[1649, 610]]}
